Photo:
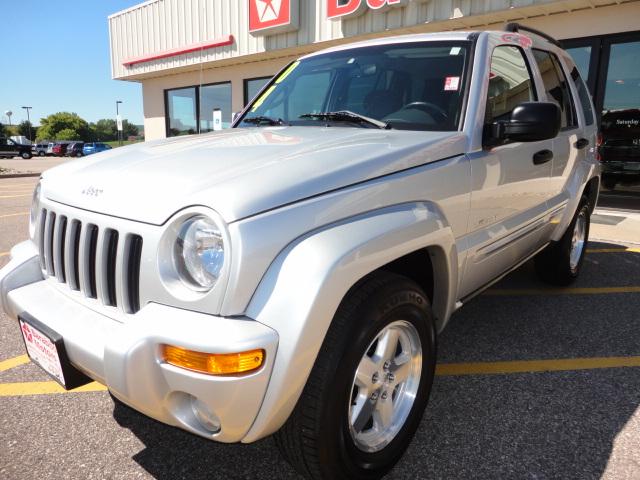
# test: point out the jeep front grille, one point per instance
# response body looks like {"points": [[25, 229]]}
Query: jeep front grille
{"points": [[91, 261]]}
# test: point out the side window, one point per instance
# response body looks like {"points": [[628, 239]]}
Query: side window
{"points": [[509, 83], [556, 86], [583, 95]]}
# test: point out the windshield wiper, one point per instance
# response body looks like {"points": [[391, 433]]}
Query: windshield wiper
{"points": [[258, 119], [347, 116]]}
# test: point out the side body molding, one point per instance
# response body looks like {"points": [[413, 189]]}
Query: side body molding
{"points": [[301, 291]]}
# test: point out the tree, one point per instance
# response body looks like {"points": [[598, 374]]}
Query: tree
{"points": [[25, 128], [3, 132], [70, 123], [68, 134], [105, 130]]}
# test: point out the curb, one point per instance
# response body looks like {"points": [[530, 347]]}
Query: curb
{"points": [[19, 175]]}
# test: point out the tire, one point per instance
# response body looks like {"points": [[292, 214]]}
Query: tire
{"points": [[41, 154], [560, 263], [320, 440], [25, 155]]}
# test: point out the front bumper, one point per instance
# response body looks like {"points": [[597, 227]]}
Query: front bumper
{"points": [[125, 356]]}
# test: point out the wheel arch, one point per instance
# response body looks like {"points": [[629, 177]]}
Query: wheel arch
{"points": [[304, 286]]}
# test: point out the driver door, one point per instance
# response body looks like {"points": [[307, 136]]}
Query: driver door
{"points": [[510, 181]]}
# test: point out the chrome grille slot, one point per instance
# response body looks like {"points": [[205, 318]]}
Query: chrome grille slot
{"points": [[41, 229], [48, 243], [109, 256], [132, 257], [73, 255], [102, 263], [59, 241], [91, 289]]}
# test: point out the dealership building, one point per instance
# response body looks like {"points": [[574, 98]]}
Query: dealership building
{"points": [[197, 57]]}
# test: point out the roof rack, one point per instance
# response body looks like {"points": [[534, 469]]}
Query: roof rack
{"points": [[516, 27]]}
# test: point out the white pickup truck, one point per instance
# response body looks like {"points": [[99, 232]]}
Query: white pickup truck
{"points": [[290, 275]]}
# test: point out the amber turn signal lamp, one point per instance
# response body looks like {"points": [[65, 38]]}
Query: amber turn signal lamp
{"points": [[213, 363]]}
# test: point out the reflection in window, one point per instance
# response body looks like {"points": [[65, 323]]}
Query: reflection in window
{"points": [[555, 84], [509, 83], [181, 105], [215, 97], [582, 57], [252, 86], [623, 77]]}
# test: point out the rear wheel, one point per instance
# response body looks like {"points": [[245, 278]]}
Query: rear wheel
{"points": [[25, 155], [369, 386], [560, 262], [41, 153]]}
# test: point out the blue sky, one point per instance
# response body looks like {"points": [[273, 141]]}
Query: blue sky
{"points": [[55, 57]]}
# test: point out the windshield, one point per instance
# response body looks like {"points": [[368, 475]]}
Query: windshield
{"points": [[409, 86]]}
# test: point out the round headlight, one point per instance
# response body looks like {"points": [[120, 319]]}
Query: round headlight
{"points": [[35, 210], [199, 253]]}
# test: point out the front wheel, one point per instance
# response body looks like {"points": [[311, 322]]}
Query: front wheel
{"points": [[25, 155], [41, 154], [368, 389], [560, 263]]}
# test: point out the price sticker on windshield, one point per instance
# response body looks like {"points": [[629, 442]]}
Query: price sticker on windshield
{"points": [[451, 84]]}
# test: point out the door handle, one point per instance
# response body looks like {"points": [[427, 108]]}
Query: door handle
{"points": [[580, 144], [543, 156]]}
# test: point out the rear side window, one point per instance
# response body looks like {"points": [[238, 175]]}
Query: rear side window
{"points": [[509, 83], [555, 83], [583, 96]]}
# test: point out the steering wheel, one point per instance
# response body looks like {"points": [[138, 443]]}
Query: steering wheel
{"points": [[429, 108]]}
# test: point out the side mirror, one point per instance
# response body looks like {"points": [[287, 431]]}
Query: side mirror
{"points": [[529, 122], [235, 116]]}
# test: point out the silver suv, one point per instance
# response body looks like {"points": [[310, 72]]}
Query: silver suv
{"points": [[290, 275]]}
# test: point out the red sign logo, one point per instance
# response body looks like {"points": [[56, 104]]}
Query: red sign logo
{"points": [[350, 8], [273, 15]]}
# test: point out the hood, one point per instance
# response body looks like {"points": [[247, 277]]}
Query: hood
{"points": [[238, 172]]}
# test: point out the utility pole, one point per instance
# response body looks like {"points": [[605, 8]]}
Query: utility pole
{"points": [[118, 123], [29, 120]]}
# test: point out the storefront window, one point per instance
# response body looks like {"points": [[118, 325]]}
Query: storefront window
{"points": [[181, 111], [215, 97], [252, 86]]}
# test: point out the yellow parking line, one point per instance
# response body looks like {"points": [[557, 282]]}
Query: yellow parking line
{"points": [[560, 291], [14, 214], [529, 366], [13, 362], [20, 184], [44, 388], [446, 369], [13, 196], [613, 250], [4, 254]]}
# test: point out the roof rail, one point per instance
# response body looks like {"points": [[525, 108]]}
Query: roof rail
{"points": [[516, 27]]}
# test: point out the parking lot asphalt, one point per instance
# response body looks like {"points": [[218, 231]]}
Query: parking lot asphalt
{"points": [[533, 383]]}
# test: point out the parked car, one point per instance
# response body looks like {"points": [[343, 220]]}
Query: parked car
{"points": [[620, 147], [39, 149], [75, 149], [9, 149], [50, 146], [95, 147], [293, 280], [59, 149]]}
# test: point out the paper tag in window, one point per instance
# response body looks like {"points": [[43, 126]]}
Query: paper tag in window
{"points": [[455, 51], [451, 83]]}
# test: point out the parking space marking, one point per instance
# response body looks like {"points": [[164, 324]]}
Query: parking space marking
{"points": [[613, 250], [531, 366], [505, 292], [445, 369], [14, 196], [4, 254], [14, 214], [14, 362], [44, 388]]}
